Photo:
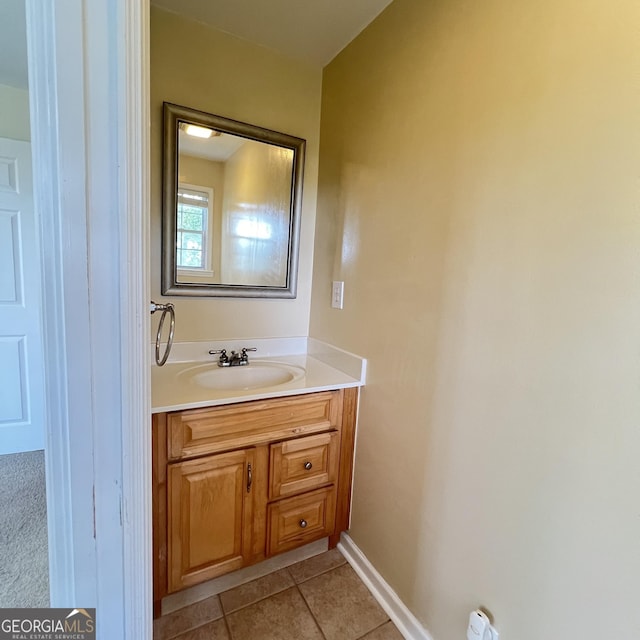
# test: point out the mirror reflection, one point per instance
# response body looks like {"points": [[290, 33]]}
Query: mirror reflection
{"points": [[231, 207]]}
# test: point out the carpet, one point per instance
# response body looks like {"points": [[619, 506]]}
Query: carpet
{"points": [[24, 560]]}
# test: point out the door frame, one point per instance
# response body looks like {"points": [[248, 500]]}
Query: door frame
{"points": [[89, 99]]}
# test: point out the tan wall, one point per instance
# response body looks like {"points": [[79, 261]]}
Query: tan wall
{"points": [[479, 195], [199, 67], [14, 113]]}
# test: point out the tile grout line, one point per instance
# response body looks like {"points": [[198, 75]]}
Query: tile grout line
{"points": [[294, 586], [295, 583], [313, 616], [275, 593], [226, 622], [306, 604], [317, 575], [375, 629], [244, 606]]}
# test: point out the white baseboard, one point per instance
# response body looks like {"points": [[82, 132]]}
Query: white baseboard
{"points": [[405, 621]]}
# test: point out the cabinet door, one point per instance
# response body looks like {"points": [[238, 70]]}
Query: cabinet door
{"points": [[209, 517]]}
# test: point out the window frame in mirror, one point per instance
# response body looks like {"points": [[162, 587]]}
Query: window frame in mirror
{"points": [[174, 115]]}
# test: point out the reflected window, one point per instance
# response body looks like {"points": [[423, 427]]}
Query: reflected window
{"points": [[193, 241]]}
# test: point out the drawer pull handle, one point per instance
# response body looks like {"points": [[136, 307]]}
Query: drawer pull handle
{"points": [[307, 466], [303, 523], [249, 477]]}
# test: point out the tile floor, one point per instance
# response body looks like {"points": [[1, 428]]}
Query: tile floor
{"points": [[321, 598]]}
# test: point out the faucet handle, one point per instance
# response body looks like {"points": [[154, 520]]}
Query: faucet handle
{"points": [[223, 355], [244, 358]]}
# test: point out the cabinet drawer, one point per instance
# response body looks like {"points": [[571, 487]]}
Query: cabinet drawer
{"points": [[201, 431], [301, 519], [306, 463]]}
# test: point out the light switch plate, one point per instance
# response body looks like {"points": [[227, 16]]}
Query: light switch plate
{"points": [[337, 294]]}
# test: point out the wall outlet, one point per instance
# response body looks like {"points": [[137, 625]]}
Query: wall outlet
{"points": [[337, 294]]}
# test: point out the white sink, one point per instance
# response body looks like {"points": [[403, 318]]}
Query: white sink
{"points": [[256, 375]]}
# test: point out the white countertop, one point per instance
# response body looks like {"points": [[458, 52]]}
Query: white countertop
{"points": [[325, 368]]}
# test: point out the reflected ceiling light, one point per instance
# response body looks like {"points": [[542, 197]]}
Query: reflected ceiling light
{"points": [[199, 132]]}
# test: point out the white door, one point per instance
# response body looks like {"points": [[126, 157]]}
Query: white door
{"points": [[21, 360]]}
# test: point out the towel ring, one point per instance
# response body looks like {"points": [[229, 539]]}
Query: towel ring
{"points": [[165, 308]]}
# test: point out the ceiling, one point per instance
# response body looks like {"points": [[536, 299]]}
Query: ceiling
{"points": [[13, 44], [311, 30], [219, 148]]}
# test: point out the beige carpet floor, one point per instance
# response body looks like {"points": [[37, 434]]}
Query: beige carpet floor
{"points": [[24, 561]]}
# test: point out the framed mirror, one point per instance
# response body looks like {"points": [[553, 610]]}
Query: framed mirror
{"points": [[232, 195]]}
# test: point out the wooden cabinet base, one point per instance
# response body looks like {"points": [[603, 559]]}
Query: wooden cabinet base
{"points": [[235, 484]]}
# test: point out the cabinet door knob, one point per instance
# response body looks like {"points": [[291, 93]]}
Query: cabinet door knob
{"points": [[303, 523], [307, 465]]}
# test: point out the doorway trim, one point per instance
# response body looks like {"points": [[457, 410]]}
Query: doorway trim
{"points": [[89, 97], [135, 172]]}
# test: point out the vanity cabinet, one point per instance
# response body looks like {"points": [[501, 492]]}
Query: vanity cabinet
{"points": [[238, 483]]}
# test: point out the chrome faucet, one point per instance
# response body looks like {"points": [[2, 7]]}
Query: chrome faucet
{"points": [[235, 359]]}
